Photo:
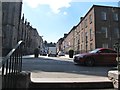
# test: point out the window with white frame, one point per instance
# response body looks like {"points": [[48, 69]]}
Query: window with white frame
{"points": [[85, 23], [86, 37], [91, 46], [115, 16], [117, 32], [78, 39], [69, 43], [82, 36], [81, 47], [105, 45], [90, 18], [82, 25], [90, 34], [104, 32], [103, 15]]}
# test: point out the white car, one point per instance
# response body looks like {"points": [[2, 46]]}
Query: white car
{"points": [[43, 53], [60, 53]]}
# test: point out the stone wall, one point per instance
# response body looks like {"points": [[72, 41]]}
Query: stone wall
{"points": [[11, 15], [15, 28]]}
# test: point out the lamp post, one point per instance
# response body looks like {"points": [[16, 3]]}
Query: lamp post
{"points": [[117, 47]]}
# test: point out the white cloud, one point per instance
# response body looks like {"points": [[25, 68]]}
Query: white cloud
{"points": [[55, 5], [65, 13]]}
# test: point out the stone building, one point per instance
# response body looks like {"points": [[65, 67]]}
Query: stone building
{"points": [[30, 36], [11, 15], [98, 28], [15, 28], [68, 42], [58, 44]]}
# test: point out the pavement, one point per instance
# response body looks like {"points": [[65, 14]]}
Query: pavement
{"points": [[62, 76]]}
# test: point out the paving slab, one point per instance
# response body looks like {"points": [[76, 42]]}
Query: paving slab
{"points": [[59, 77], [69, 80]]}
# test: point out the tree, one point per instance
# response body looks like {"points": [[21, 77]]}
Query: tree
{"points": [[45, 42]]}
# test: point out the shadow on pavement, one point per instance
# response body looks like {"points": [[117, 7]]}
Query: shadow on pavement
{"points": [[45, 64]]}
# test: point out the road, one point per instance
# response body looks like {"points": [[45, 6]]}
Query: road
{"points": [[60, 68]]}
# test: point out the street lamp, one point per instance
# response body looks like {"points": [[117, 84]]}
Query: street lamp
{"points": [[117, 47]]}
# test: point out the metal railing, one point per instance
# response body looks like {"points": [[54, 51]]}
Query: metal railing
{"points": [[12, 66]]}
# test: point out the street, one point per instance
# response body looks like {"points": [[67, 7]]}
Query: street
{"points": [[62, 69]]}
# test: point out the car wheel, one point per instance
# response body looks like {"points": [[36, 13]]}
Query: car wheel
{"points": [[89, 61]]}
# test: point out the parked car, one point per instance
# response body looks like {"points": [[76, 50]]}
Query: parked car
{"points": [[100, 56], [61, 53], [43, 53], [52, 51]]}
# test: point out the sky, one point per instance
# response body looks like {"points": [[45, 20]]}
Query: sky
{"points": [[53, 18]]}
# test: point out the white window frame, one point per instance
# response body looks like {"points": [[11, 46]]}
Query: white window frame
{"points": [[115, 16], [85, 23], [90, 18], [104, 30], [82, 37], [103, 15], [117, 33], [105, 45], [91, 37], [86, 37], [91, 46]]}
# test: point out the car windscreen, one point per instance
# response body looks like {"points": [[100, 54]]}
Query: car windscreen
{"points": [[94, 51]]}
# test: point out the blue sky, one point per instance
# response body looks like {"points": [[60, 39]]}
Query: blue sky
{"points": [[53, 18]]}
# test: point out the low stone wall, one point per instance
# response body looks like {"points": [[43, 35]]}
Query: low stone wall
{"points": [[23, 80], [114, 76]]}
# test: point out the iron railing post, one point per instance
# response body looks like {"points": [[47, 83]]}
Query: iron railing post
{"points": [[12, 66]]}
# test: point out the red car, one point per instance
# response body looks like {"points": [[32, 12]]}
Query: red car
{"points": [[100, 56]]}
